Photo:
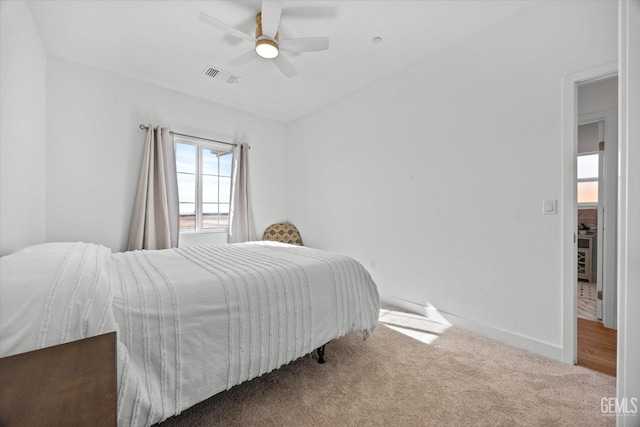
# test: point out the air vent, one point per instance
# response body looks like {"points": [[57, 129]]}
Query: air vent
{"points": [[218, 74]]}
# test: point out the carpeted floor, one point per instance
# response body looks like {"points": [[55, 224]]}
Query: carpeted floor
{"points": [[459, 379]]}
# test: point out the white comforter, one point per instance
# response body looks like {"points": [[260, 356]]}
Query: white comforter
{"points": [[191, 322]]}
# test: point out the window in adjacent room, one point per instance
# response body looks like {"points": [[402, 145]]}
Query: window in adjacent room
{"points": [[588, 178], [204, 185]]}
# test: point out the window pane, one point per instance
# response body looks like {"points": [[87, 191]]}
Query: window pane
{"points": [[225, 190], [209, 162], [210, 215], [185, 157], [224, 214], [210, 221], [210, 208], [210, 189], [588, 192], [588, 166], [186, 188], [187, 217], [225, 164], [213, 172], [187, 223], [187, 208]]}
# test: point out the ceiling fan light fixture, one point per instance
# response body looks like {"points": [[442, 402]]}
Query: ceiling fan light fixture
{"points": [[267, 48]]}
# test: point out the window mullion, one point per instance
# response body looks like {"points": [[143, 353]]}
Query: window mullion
{"points": [[218, 180], [199, 189]]}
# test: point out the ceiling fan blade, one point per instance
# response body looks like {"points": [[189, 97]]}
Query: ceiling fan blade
{"points": [[285, 66], [244, 58], [271, 12], [305, 44], [225, 27]]}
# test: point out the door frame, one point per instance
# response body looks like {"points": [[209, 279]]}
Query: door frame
{"points": [[569, 202], [628, 376]]}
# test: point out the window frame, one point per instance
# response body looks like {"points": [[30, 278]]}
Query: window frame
{"points": [[595, 179], [201, 145]]}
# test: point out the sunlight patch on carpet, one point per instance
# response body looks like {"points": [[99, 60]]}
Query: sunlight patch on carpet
{"points": [[412, 325]]}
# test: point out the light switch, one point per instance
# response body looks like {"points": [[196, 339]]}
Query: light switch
{"points": [[550, 207]]}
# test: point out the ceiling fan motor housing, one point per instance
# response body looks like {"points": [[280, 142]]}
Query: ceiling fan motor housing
{"points": [[266, 47]]}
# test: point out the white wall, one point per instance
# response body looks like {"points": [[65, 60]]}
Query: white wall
{"points": [[598, 96], [439, 173], [22, 130], [95, 149]]}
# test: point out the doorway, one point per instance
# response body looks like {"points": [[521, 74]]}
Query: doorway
{"points": [[595, 208], [589, 258]]}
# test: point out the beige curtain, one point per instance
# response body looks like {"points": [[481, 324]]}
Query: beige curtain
{"points": [[155, 222], [241, 227]]}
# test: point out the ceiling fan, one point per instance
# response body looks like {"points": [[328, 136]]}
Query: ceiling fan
{"points": [[267, 40]]}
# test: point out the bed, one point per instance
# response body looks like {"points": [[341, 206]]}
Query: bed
{"points": [[190, 322]]}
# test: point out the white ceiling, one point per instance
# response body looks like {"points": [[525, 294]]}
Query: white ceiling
{"points": [[165, 43]]}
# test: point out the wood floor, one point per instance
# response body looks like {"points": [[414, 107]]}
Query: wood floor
{"points": [[597, 346]]}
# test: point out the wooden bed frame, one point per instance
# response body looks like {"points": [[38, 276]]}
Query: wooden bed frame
{"points": [[72, 384]]}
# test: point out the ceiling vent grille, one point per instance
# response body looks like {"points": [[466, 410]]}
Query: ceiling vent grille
{"points": [[218, 74]]}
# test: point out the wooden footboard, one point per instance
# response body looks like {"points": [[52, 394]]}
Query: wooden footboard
{"points": [[72, 384]]}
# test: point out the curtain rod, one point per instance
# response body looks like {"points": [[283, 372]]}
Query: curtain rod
{"points": [[143, 127]]}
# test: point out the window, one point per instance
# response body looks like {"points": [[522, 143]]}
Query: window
{"points": [[588, 178], [204, 185]]}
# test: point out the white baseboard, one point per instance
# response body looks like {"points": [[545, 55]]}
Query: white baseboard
{"points": [[430, 312], [516, 340]]}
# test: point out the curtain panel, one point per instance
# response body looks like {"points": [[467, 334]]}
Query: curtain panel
{"points": [[155, 222], [241, 228]]}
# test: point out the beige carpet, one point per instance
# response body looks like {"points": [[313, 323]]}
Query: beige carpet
{"points": [[459, 379]]}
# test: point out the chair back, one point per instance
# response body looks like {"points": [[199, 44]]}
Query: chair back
{"points": [[285, 233]]}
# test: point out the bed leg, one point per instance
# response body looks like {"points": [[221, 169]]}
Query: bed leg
{"points": [[320, 354]]}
